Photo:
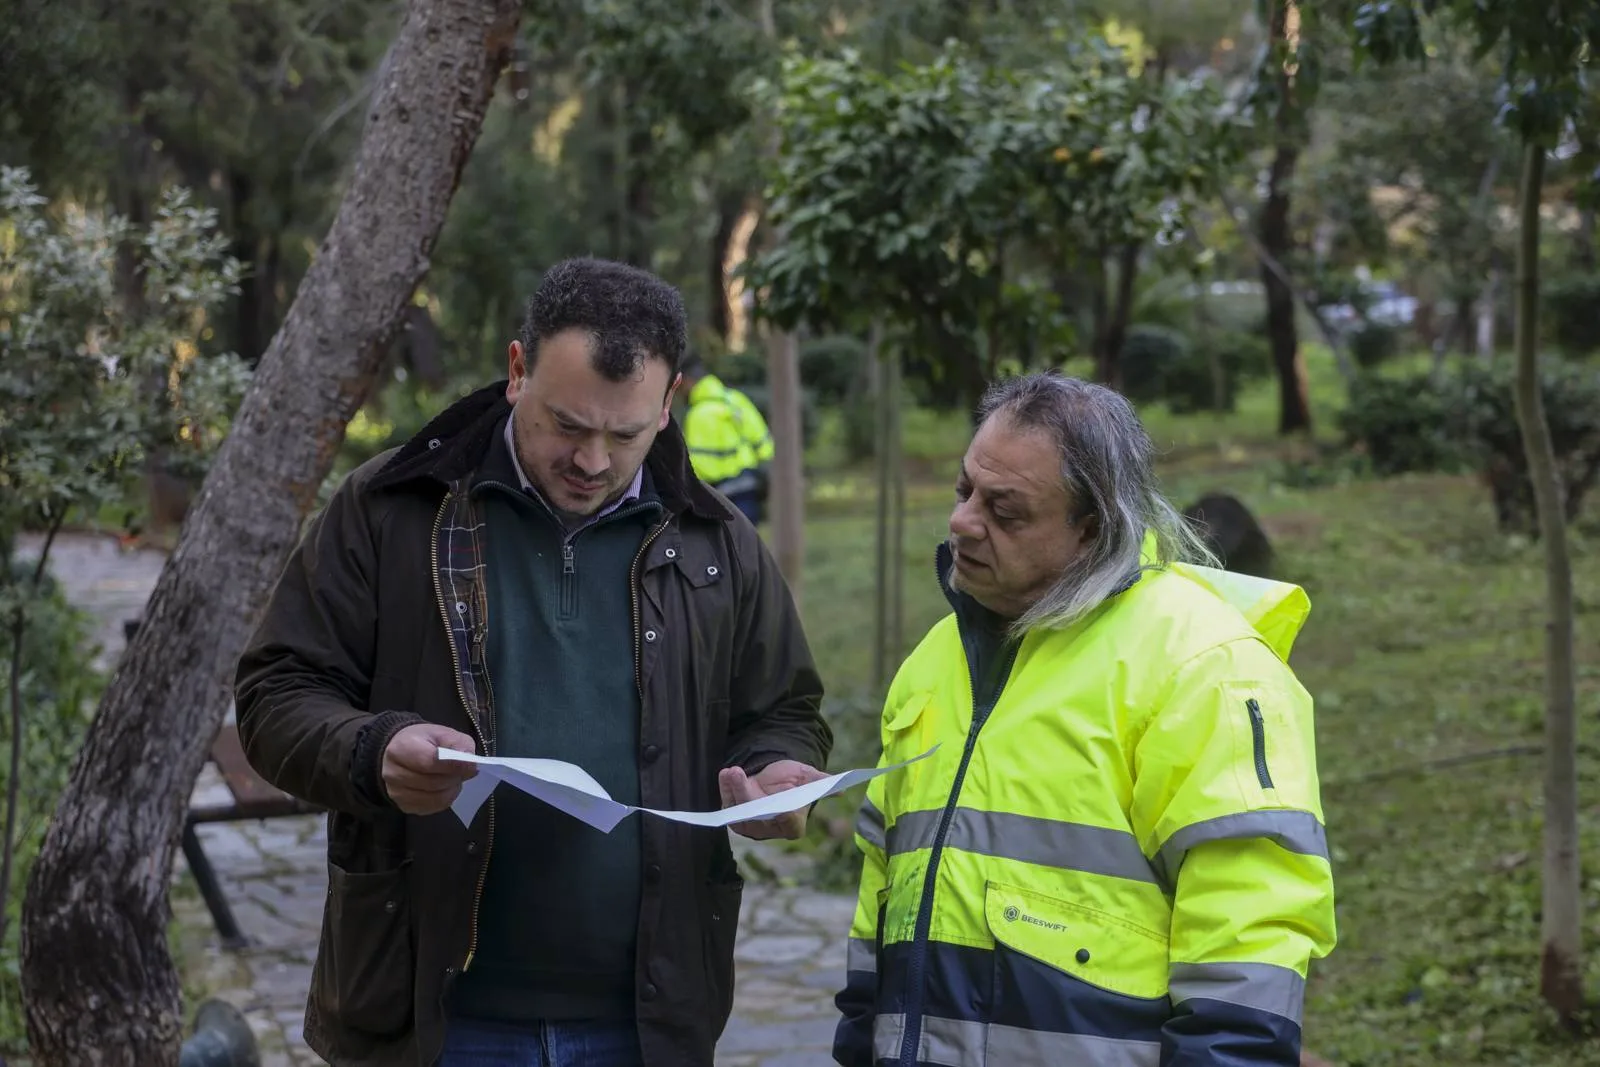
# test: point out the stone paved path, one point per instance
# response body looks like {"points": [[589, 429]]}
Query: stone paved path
{"points": [[790, 951]]}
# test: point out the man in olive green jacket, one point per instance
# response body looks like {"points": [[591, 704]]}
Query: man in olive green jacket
{"points": [[537, 573]]}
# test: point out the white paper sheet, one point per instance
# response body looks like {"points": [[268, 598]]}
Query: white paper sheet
{"points": [[569, 788]]}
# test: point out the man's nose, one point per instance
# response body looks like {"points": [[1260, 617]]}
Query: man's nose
{"points": [[964, 521], [592, 458]]}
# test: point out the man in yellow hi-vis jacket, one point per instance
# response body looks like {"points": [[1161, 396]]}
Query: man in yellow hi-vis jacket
{"points": [[730, 446], [1116, 858]]}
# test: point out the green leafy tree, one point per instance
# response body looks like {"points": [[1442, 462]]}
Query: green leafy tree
{"points": [[937, 196], [934, 201], [1546, 54]]}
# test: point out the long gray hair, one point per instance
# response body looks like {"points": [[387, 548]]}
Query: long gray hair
{"points": [[1108, 472]]}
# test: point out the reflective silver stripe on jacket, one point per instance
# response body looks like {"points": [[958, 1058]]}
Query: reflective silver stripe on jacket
{"points": [[957, 1043], [1295, 831], [1027, 839], [1261, 986]]}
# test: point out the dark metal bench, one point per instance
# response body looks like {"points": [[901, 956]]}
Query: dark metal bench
{"points": [[253, 798]]}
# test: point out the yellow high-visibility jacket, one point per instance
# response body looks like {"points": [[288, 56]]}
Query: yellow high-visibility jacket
{"points": [[1116, 857], [726, 435]]}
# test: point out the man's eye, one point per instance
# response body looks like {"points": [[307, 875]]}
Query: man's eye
{"points": [[627, 438], [963, 492]]}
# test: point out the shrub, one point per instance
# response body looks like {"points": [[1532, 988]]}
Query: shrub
{"points": [[858, 423], [59, 692], [1160, 363], [832, 366], [1148, 353], [1469, 421], [761, 397], [742, 369], [1489, 423], [1374, 343], [1572, 313], [1405, 424], [1241, 356]]}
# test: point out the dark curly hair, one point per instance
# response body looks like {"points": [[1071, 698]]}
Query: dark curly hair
{"points": [[631, 314]]}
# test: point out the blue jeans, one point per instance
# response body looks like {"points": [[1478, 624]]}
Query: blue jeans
{"points": [[579, 1043]]}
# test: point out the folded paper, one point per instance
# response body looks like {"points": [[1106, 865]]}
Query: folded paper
{"points": [[570, 788]]}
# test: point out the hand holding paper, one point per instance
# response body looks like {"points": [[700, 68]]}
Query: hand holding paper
{"points": [[572, 790], [740, 788], [416, 776]]}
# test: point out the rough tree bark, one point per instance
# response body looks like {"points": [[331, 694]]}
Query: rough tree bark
{"points": [[1294, 402], [1561, 921], [99, 986]]}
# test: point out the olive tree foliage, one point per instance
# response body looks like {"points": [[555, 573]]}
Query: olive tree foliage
{"points": [[89, 385], [939, 197]]}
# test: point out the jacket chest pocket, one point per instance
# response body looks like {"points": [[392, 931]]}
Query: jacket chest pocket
{"points": [[1047, 950], [685, 593]]}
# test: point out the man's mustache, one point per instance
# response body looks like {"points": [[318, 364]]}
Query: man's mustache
{"points": [[586, 480]]}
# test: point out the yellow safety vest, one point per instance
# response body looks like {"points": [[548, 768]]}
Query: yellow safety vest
{"points": [[1122, 863], [725, 432]]}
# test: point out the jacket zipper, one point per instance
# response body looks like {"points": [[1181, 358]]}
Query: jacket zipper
{"points": [[1258, 738], [633, 592], [569, 579], [911, 1036], [455, 663]]}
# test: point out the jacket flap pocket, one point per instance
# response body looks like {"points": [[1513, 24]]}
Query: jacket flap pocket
{"points": [[698, 564], [907, 713], [365, 969], [1091, 945]]}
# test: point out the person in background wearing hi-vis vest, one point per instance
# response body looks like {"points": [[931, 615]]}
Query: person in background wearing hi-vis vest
{"points": [[729, 443], [1117, 856]]}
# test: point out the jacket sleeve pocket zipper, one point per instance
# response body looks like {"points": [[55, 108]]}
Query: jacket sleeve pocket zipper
{"points": [[1258, 739]]}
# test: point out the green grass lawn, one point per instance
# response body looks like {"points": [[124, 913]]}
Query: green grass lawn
{"points": [[1425, 643]]}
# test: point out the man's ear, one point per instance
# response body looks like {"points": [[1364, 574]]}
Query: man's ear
{"points": [[516, 371], [666, 403]]}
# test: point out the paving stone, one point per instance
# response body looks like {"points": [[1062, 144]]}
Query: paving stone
{"points": [[798, 1058], [757, 1036], [827, 912], [777, 948], [830, 979]]}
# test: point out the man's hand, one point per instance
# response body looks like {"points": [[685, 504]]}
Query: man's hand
{"points": [[416, 779], [738, 788]]}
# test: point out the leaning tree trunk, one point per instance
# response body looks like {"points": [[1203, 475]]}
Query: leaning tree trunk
{"points": [[1561, 922], [1294, 402], [99, 985]]}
